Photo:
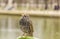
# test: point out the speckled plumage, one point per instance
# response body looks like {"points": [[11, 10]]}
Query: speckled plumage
{"points": [[26, 25]]}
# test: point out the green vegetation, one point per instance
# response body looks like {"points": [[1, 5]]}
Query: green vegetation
{"points": [[25, 37]]}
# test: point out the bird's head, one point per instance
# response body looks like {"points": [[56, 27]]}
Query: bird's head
{"points": [[25, 16]]}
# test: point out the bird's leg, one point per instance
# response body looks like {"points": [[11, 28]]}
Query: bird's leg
{"points": [[25, 34], [30, 34]]}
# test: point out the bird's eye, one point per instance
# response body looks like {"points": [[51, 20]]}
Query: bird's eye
{"points": [[25, 16]]}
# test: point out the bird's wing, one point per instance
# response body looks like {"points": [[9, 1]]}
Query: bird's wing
{"points": [[31, 26]]}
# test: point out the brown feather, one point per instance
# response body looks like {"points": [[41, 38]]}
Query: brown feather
{"points": [[26, 25]]}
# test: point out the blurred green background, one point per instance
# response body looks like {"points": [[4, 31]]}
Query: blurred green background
{"points": [[44, 27]]}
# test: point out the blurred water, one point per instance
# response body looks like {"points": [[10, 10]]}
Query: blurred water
{"points": [[44, 28]]}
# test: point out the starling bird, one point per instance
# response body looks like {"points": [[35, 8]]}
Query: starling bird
{"points": [[26, 25]]}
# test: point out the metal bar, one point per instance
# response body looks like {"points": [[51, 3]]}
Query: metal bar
{"points": [[32, 13]]}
